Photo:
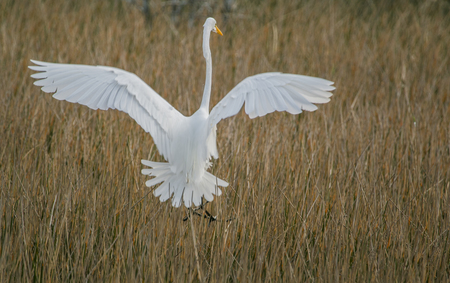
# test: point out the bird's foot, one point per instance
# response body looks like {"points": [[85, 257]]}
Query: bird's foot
{"points": [[206, 214]]}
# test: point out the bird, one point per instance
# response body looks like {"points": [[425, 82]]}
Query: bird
{"points": [[187, 143]]}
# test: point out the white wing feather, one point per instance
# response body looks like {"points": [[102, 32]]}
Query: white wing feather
{"points": [[269, 92], [100, 87]]}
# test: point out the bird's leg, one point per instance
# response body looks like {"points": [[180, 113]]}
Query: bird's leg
{"points": [[208, 215], [201, 206], [193, 211]]}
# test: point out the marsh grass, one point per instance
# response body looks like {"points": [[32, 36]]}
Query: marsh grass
{"points": [[356, 191]]}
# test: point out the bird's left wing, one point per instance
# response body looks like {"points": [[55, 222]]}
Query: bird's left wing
{"points": [[100, 87], [268, 92]]}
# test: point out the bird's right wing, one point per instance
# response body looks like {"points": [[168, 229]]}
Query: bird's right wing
{"points": [[100, 87], [268, 92]]}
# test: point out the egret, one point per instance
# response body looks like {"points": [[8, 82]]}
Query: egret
{"points": [[186, 143]]}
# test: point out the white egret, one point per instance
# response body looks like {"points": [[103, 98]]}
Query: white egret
{"points": [[187, 143]]}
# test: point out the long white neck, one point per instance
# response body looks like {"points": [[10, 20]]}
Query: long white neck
{"points": [[207, 55]]}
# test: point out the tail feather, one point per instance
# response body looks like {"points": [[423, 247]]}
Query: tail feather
{"points": [[178, 195], [159, 178], [214, 180], [164, 192], [207, 193], [175, 186], [154, 164], [152, 172]]}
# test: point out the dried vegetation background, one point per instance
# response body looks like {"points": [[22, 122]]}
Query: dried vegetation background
{"points": [[356, 191]]}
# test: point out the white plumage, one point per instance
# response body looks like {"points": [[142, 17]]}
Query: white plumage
{"points": [[187, 143]]}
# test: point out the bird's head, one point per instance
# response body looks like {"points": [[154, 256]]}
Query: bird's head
{"points": [[211, 26]]}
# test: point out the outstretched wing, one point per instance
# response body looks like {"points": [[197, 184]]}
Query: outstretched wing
{"points": [[269, 92], [100, 87]]}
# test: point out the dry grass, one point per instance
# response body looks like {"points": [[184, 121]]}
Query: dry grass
{"points": [[356, 191]]}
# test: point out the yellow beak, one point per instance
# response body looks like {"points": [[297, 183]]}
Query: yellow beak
{"points": [[218, 31]]}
